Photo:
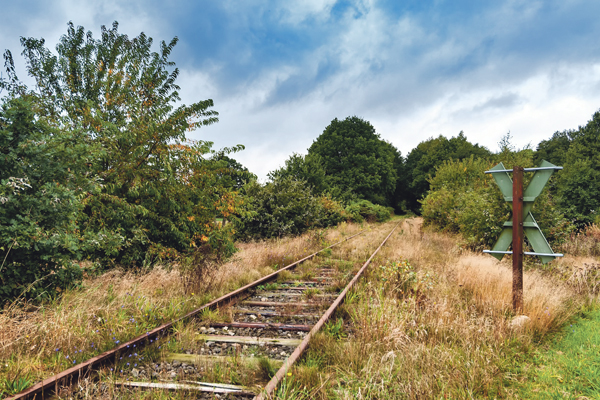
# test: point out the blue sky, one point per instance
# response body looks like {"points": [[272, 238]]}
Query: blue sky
{"points": [[279, 72]]}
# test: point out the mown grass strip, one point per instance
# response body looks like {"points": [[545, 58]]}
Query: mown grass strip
{"points": [[570, 366]]}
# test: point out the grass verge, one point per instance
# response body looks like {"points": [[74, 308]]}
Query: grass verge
{"points": [[568, 367]]}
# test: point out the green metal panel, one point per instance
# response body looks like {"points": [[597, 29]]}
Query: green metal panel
{"points": [[537, 240], [532, 231], [503, 242], [503, 180], [539, 180]]}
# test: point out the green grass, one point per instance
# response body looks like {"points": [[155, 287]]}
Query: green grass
{"points": [[570, 366]]}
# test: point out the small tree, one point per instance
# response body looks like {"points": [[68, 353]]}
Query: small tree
{"points": [[422, 161]]}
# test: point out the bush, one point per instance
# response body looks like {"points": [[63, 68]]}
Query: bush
{"points": [[365, 210], [43, 180], [463, 199], [286, 206]]}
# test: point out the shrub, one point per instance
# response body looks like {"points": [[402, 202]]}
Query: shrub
{"points": [[286, 206], [365, 210], [465, 200], [43, 180]]}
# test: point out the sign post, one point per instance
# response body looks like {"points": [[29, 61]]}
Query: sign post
{"points": [[523, 224], [517, 239]]}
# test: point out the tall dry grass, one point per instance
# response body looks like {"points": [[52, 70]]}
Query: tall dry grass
{"points": [[39, 340], [432, 320], [585, 243]]}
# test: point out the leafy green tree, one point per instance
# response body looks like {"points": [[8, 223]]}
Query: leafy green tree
{"points": [[555, 149], [399, 199], [356, 160], [422, 161], [578, 188], [308, 168], [231, 173], [159, 191]]}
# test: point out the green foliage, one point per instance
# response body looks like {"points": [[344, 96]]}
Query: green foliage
{"points": [[15, 385], [365, 210], [401, 279], [231, 173], [463, 199], [44, 177], [335, 329], [555, 149], [94, 163], [307, 168], [160, 194], [286, 207], [423, 160], [578, 188], [357, 161]]}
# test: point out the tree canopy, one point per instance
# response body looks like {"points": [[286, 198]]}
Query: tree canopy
{"points": [[357, 161], [156, 191], [422, 161], [578, 186]]}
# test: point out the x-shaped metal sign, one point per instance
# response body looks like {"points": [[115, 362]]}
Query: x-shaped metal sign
{"points": [[530, 227]]}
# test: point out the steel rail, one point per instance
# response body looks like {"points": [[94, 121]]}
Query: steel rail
{"points": [[281, 373], [49, 386]]}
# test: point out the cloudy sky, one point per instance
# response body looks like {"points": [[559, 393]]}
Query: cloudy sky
{"points": [[280, 71]]}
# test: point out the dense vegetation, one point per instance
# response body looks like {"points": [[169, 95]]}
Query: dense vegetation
{"points": [[95, 166]]}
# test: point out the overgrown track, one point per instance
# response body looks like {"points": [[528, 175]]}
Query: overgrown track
{"points": [[265, 320]]}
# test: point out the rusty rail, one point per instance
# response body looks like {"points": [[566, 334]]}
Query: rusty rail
{"points": [[272, 385], [49, 386]]}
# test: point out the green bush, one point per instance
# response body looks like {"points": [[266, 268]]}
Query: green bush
{"points": [[43, 179], [286, 206], [578, 186], [463, 199], [365, 210]]}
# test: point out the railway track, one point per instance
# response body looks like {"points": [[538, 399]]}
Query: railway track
{"points": [[258, 331]]}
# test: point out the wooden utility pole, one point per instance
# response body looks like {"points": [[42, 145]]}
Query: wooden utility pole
{"points": [[517, 240], [522, 224]]}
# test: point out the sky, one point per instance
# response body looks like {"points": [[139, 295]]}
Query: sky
{"points": [[280, 71]]}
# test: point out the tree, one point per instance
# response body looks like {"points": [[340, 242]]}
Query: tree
{"points": [[231, 173], [356, 160], [578, 186], [307, 168], [158, 189], [422, 161], [555, 149]]}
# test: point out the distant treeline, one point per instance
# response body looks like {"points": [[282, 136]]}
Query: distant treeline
{"points": [[96, 172]]}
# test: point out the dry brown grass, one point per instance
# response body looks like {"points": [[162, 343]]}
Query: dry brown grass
{"points": [[585, 243], [447, 336], [120, 305], [435, 323]]}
